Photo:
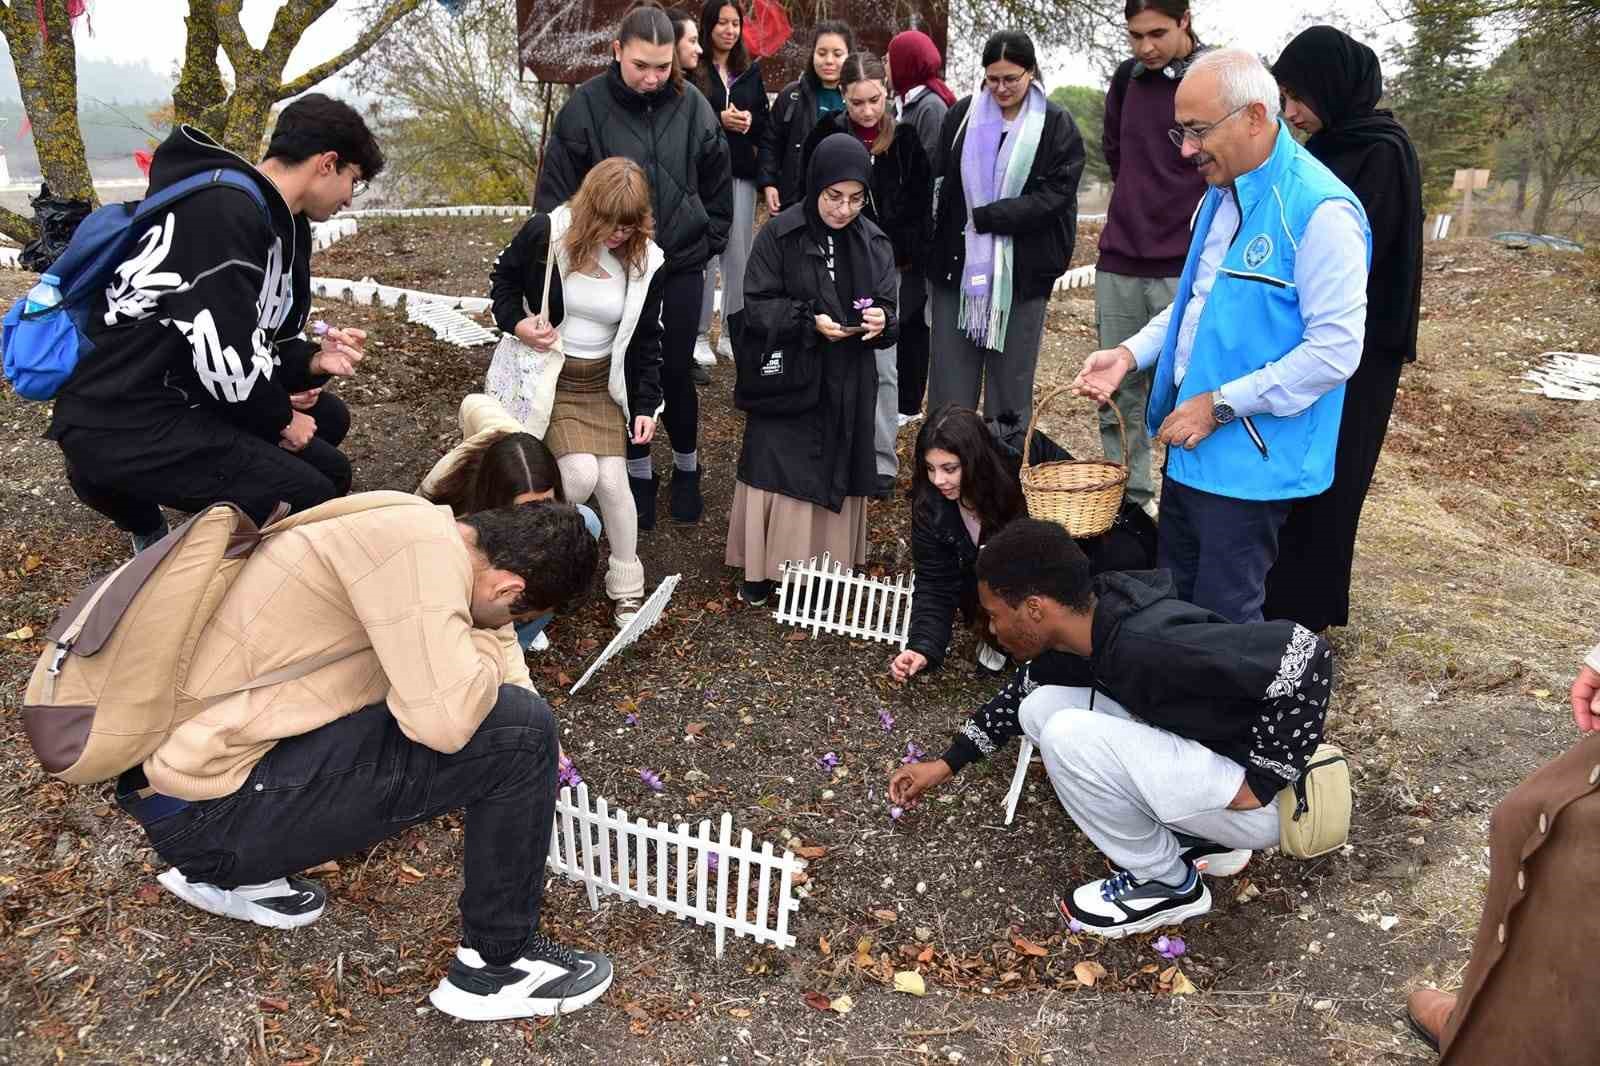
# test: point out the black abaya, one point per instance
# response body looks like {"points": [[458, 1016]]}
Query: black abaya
{"points": [[1369, 151]]}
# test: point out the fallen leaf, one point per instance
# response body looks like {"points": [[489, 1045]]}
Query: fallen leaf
{"points": [[149, 895], [796, 635], [817, 1001], [910, 982], [1248, 892], [563, 678], [843, 1005], [811, 851], [1168, 974], [823, 945], [276, 1006], [1152, 968], [885, 915], [25, 633], [739, 1012], [1088, 972], [695, 729], [926, 954], [1181, 985], [412, 872], [1028, 947], [1388, 922], [31, 563], [329, 867], [1541, 693]]}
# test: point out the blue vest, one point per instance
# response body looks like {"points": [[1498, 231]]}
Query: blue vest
{"points": [[1252, 318]]}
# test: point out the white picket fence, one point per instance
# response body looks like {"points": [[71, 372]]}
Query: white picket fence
{"points": [[1566, 376], [826, 598], [368, 292], [1440, 230], [448, 324], [326, 234], [672, 870], [1079, 278], [465, 211], [649, 614]]}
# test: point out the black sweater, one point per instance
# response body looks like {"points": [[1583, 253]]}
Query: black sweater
{"points": [[1256, 693], [1042, 222], [673, 135], [748, 94], [794, 116]]}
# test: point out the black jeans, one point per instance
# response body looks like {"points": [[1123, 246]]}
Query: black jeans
{"points": [[1218, 548], [196, 459], [680, 324], [340, 789], [911, 351]]}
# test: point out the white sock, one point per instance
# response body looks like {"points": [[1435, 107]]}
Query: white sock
{"points": [[688, 462], [640, 468]]}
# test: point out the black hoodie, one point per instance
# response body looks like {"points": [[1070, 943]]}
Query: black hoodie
{"points": [[207, 312], [1256, 693]]}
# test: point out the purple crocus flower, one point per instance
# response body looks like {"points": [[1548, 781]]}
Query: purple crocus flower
{"points": [[896, 811], [711, 861], [651, 778], [913, 753], [1170, 947], [632, 719], [885, 719], [569, 775], [828, 761], [863, 303], [1075, 926], [320, 328]]}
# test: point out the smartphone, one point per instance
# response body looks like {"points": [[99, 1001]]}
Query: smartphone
{"points": [[854, 329]]}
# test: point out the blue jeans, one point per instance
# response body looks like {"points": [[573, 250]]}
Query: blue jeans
{"points": [[528, 630]]}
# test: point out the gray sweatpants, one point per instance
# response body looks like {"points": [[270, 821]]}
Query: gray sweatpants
{"points": [[734, 258], [957, 367], [1128, 785], [886, 418], [1122, 307]]}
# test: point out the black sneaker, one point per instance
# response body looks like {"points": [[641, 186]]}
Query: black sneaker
{"points": [[1121, 905], [1213, 860], [548, 979], [756, 593], [287, 903]]}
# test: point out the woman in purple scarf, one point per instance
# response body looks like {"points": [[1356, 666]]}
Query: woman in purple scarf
{"points": [[1006, 212]]}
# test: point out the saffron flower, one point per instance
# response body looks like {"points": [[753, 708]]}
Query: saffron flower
{"points": [[569, 775], [711, 861], [828, 761], [885, 719], [651, 778], [896, 811], [913, 753], [863, 303], [320, 328], [1075, 926], [1170, 947], [632, 719]]}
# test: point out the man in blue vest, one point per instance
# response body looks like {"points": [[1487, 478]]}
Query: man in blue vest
{"points": [[1251, 357]]}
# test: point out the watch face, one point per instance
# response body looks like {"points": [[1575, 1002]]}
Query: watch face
{"points": [[1222, 413]]}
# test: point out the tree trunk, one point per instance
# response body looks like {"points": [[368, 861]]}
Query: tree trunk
{"points": [[1549, 184], [201, 97], [47, 73]]}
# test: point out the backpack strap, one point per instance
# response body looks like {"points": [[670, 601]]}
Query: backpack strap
{"points": [[232, 177]]}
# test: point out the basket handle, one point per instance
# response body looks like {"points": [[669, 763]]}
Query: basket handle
{"points": [[1033, 421]]}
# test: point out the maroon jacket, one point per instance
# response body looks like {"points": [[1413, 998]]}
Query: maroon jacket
{"points": [[1147, 225]]}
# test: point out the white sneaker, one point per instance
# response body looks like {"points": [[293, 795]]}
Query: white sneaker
{"points": [[1121, 905], [627, 611], [990, 657], [287, 903], [702, 351], [540, 642], [1213, 860], [548, 979], [725, 345]]}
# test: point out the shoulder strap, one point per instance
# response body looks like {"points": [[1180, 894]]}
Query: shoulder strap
{"points": [[549, 266], [229, 176]]}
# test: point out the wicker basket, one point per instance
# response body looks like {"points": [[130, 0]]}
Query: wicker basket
{"points": [[1082, 495]]}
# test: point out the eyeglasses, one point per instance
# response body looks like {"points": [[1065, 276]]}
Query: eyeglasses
{"points": [[1179, 134], [1009, 81], [357, 188], [836, 199]]}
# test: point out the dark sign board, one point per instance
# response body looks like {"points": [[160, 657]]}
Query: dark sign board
{"points": [[569, 41]]}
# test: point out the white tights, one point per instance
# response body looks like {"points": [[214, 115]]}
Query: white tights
{"points": [[605, 477]]}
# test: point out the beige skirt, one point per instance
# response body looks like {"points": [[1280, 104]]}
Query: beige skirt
{"points": [[766, 529], [585, 420]]}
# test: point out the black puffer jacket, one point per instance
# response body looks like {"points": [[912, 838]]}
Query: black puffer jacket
{"points": [[902, 187], [826, 453], [1042, 222], [794, 116], [673, 135], [1254, 692], [748, 94]]}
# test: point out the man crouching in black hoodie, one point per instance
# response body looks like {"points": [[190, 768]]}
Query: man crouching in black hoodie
{"points": [[1167, 731], [200, 385]]}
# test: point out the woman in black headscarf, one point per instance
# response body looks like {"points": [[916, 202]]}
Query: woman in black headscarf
{"points": [[1331, 85], [820, 286]]}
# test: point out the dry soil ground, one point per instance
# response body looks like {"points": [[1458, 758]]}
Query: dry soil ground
{"points": [[1474, 591]]}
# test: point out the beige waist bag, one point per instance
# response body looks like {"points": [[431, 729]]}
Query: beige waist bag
{"points": [[1314, 812]]}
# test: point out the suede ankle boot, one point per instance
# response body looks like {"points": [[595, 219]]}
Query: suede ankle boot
{"points": [[686, 505], [644, 499]]}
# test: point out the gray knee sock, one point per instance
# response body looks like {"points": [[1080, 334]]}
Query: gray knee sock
{"points": [[688, 462], [640, 468]]}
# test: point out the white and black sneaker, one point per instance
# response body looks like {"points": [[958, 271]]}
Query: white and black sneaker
{"points": [[1121, 905], [548, 979], [287, 903], [1211, 859], [990, 657]]}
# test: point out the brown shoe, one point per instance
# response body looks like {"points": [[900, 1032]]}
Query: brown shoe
{"points": [[1427, 1012]]}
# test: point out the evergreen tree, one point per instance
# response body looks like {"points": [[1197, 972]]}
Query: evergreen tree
{"points": [[1443, 94], [1088, 109]]}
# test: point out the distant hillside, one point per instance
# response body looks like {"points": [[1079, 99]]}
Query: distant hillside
{"points": [[100, 79]]}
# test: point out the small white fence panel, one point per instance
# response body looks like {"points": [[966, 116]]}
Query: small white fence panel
{"points": [[825, 598], [649, 614], [1079, 278], [448, 324], [684, 873], [1566, 376]]}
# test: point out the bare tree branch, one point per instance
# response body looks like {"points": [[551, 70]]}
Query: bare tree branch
{"points": [[396, 10]]}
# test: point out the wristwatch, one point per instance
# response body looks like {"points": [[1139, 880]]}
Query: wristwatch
{"points": [[1221, 410]]}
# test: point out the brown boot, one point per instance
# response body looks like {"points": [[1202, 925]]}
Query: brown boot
{"points": [[1427, 1012]]}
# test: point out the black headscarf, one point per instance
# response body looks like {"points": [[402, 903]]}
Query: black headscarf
{"points": [[841, 157], [1339, 78]]}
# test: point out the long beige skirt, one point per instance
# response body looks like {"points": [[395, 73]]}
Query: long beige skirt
{"points": [[766, 529]]}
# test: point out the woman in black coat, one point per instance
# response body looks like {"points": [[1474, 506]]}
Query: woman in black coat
{"points": [[797, 109], [1331, 86], [979, 339], [731, 81], [898, 202], [821, 286]]}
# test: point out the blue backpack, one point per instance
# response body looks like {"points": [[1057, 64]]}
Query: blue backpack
{"points": [[42, 347]]}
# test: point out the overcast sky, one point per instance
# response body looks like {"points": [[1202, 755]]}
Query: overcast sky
{"points": [[153, 30]]}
